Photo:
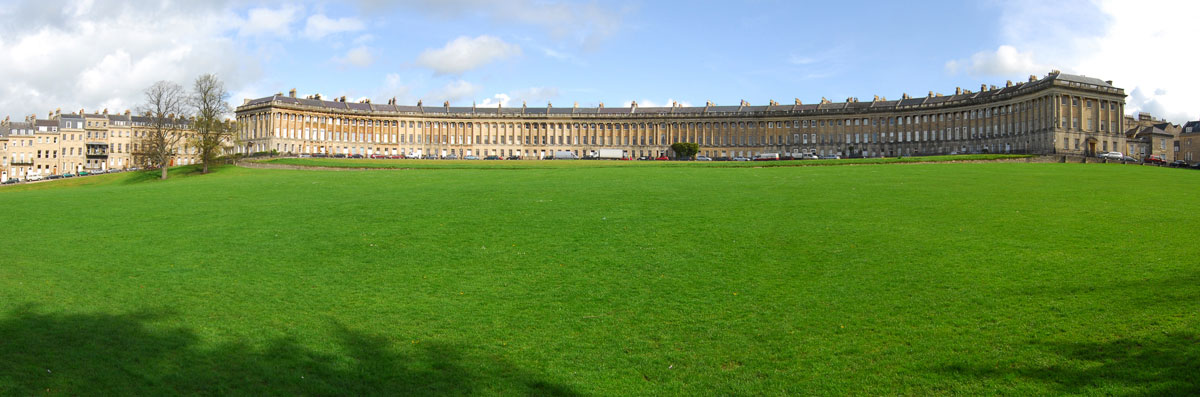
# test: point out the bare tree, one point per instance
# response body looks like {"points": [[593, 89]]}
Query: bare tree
{"points": [[164, 107], [210, 100]]}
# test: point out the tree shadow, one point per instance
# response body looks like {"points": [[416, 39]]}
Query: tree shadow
{"points": [[133, 354], [1167, 364]]}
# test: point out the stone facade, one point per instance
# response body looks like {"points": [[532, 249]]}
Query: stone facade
{"points": [[1059, 113], [1147, 136], [1189, 143], [70, 143]]}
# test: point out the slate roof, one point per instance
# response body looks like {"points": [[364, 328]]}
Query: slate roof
{"points": [[971, 97], [1194, 125], [1080, 79]]}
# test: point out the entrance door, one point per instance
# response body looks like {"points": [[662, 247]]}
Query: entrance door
{"points": [[1091, 148]]}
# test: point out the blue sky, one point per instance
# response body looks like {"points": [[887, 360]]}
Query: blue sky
{"points": [[83, 54]]}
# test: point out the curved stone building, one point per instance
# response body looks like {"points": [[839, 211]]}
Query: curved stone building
{"points": [[1059, 113]]}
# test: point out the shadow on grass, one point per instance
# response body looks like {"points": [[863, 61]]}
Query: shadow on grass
{"points": [[130, 354], [1167, 364], [184, 171]]}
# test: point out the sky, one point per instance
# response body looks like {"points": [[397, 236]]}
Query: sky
{"points": [[92, 55]]}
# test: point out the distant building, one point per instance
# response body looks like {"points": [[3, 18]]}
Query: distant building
{"points": [[70, 143], [1189, 143], [1058, 113], [1146, 136]]}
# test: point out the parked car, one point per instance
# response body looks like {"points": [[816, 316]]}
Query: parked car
{"points": [[662, 158], [1128, 159], [356, 156], [703, 158], [11, 181], [320, 155], [1196, 166], [831, 157], [339, 156], [492, 157], [450, 157], [305, 155], [378, 156], [1113, 155], [643, 158], [1101, 155], [471, 158], [1155, 159], [1179, 164], [740, 158], [513, 158]]}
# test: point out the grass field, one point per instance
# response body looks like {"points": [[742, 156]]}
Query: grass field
{"points": [[994, 278], [542, 164]]}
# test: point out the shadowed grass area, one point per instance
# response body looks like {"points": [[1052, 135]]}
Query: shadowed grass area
{"points": [[994, 278], [548, 164]]}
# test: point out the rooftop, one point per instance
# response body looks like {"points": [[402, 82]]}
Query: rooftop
{"points": [[960, 97]]}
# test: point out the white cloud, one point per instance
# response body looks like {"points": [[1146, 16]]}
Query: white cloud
{"points": [[358, 56], [265, 21], [532, 96], [108, 55], [466, 53], [1005, 61], [496, 100], [319, 26], [583, 24], [1145, 47], [454, 91], [646, 103]]}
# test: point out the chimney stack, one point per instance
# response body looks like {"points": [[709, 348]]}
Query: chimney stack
{"points": [[957, 90], [982, 87], [292, 93], [1008, 84]]}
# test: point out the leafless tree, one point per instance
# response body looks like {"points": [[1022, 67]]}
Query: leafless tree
{"points": [[210, 101], [164, 109]]}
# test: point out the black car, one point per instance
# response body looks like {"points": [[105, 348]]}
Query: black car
{"points": [[11, 181], [513, 158], [320, 155], [339, 156], [492, 158], [1179, 163], [357, 156], [1196, 166]]}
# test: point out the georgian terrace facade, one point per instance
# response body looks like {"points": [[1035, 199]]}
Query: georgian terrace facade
{"points": [[1058, 113], [73, 142]]}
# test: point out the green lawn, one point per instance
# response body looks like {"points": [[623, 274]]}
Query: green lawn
{"points": [[993, 278], [543, 164]]}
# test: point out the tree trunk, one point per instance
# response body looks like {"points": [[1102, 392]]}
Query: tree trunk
{"points": [[205, 168], [164, 169]]}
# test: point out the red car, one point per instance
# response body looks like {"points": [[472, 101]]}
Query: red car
{"points": [[662, 158], [1155, 159]]}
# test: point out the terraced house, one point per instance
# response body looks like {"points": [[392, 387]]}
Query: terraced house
{"points": [[1058, 113], [71, 143]]}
